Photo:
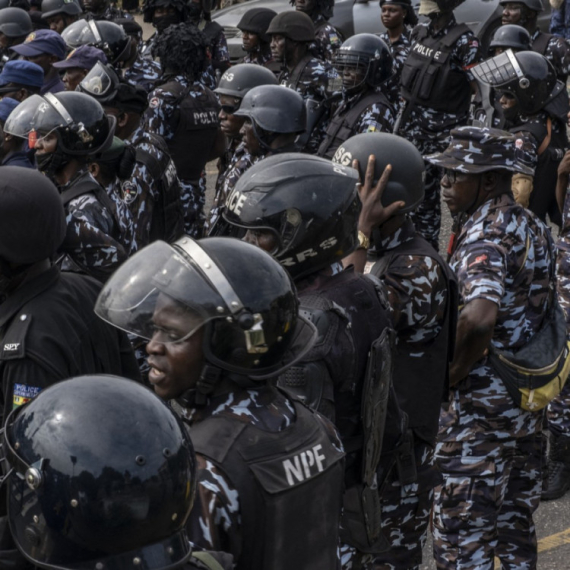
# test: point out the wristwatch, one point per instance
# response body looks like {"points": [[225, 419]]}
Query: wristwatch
{"points": [[363, 241]]}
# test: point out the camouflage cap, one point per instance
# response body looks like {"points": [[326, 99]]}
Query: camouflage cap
{"points": [[474, 149]]}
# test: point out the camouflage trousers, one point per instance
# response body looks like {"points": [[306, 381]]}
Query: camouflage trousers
{"points": [[193, 199], [427, 217], [558, 413], [405, 519], [484, 507]]}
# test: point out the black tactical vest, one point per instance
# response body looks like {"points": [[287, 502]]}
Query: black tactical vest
{"points": [[343, 126], [168, 215], [289, 485], [195, 127], [421, 383], [427, 77]]}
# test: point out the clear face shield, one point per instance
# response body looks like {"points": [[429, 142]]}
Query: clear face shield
{"points": [[83, 32], [101, 83], [501, 71]]}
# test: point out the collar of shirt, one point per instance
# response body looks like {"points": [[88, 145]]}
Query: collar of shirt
{"points": [[505, 200], [404, 38], [406, 232], [27, 291]]}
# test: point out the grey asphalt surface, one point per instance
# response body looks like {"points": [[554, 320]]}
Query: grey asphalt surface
{"points": [[552, 518]]}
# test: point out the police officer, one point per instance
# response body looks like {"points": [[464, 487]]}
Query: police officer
{"points": [[421, 294], [13, 150], [106, 36], [535, 107], [275, 118], [255, 40], [157, 468], [20, 79], [555, 49], [185, 114], [58, 14], [140, 70], [223, 322], [78, 64], [398, 17], [44, 48], [49, 331], [15, 26], [437, 94], [364, 63], [510, 36], [291, 34], [234, 84], [327, 38], [65, 129], [153, 191], [99, 10], [309, 237], [489, 446], [161, 14]]}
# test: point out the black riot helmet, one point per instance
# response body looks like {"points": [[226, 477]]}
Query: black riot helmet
{"points": [[241, 298], [86, 493], [308, 203], [406, 182], [53, 7], [527, 76], [511, 36], [296, 26], [107, 36], [534, 5], [79, 121], [239, 79], [368, 52], [15, 22], [274, 108], [256, 21], [149, 7], [323, 8]]}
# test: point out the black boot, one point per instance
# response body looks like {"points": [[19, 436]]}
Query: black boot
{"points": [[558, 480]]}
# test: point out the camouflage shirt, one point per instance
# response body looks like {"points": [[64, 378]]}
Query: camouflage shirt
{"points": [[214, 522], [142, 191], [93, 242], [260, 57], [502, 255], [327, 39], [377, 117], [312, 83], [219, 57], [399, 50], [416, 288], [144, 72], [426, 124], [558, 53]]}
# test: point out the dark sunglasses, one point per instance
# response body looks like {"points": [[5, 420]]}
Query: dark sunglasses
{"points": [[451, 175], [230, 109]]}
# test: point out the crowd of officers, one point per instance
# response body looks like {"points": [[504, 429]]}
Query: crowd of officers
{"points": [[295, 378]]}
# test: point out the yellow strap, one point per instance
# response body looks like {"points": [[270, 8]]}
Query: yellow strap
{"points": [[208, 560]]}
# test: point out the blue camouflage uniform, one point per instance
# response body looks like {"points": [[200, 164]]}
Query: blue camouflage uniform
{"points": [[313, 83], [219, 56], [144, 72], [399, 50], [158, 119], [375, 118], [327, 39], [429, 130], [489, 448], [560, 21], [557, 52]]}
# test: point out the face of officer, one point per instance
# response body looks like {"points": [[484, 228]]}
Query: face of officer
{"points": [[175, 362], [353, 77], [59, 22], [393, 16], [229, 123], [250, 140], [44, 60], [513, 13], [307, 6], [73, 77], [281, 49], [250, 41], [264, 239], [95, 6]]}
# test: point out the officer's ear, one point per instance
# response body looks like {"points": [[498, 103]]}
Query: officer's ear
{"points": [[122, 119], [94, 169]]}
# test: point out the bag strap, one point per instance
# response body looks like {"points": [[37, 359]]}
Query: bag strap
{"points": [[207, 559], [541, 43], [298, 71], [546, 141]]}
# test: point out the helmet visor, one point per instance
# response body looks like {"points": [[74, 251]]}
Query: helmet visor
{"points": [[81, 33], [99, 83], [500, 71], [167, 292], [33, 115]]}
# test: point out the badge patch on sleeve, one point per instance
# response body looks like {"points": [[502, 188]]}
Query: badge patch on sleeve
{"points": [[23, 394]]}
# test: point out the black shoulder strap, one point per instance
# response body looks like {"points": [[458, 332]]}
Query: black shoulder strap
{"points": [[84, 186], [541, 43], [298, 71], [155, 168], [454, 34]]}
